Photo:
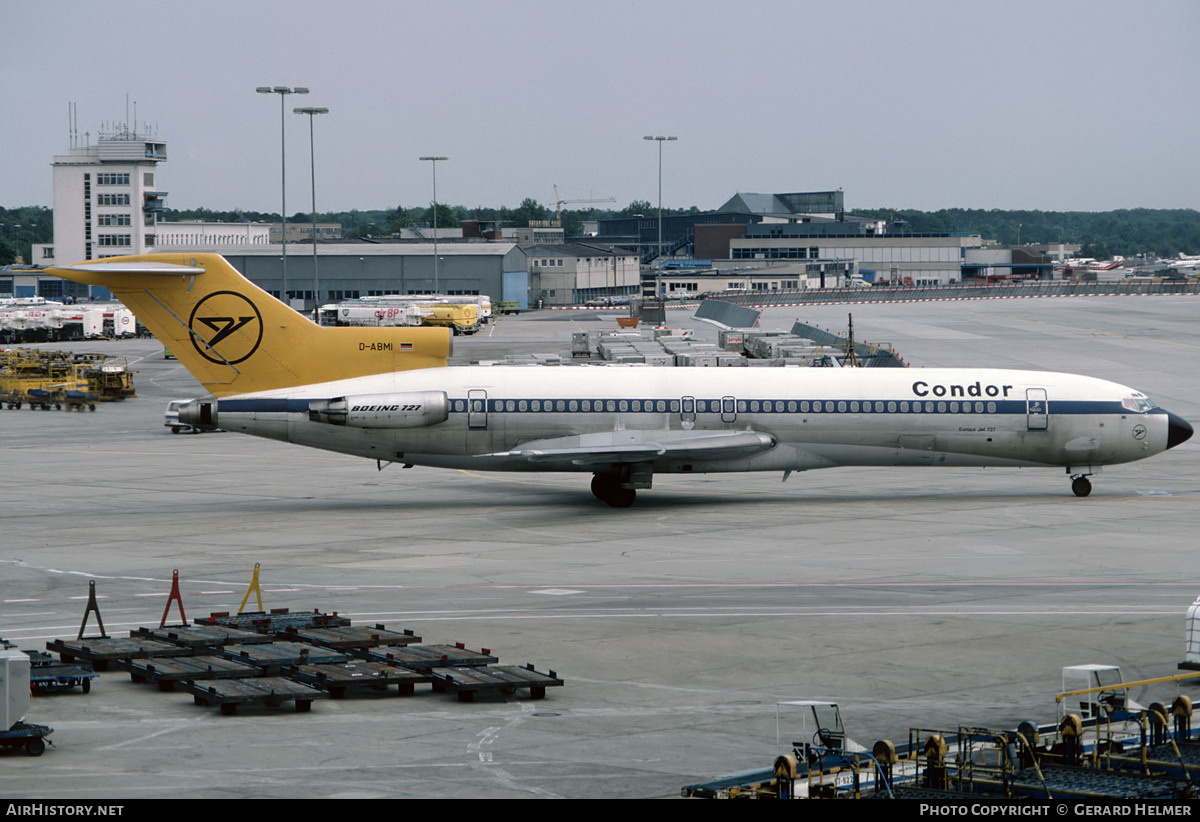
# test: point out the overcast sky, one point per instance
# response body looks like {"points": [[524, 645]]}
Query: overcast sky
{"points": [[1050, 104]]}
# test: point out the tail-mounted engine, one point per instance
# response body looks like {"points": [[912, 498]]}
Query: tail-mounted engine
{"points": [[413, 409]]}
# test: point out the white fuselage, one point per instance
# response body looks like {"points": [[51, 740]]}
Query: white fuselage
{"points": [[496, 418]]}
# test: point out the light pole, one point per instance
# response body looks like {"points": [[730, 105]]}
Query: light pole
{"points": [[283, 91], [660, 141], [434, 161], [312, 159]]}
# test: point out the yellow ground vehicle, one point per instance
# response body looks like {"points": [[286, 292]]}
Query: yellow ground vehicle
{"points": [[461, 318]]}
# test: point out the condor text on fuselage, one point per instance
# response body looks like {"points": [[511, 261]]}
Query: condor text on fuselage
{"points": [[386, 394]]}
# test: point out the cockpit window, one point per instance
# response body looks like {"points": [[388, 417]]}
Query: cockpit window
{"points": [[1138, 405]]}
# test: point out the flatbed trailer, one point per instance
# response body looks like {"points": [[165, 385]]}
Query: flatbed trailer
{"points": [[427, 657], [348, 637], [202, 636], [167, 672], [278, 619], [100, 651], [358, 676], [272, 658], [271, 691], [500, 679]]}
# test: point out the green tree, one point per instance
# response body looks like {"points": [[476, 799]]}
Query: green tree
{"points": [[529, 209]]}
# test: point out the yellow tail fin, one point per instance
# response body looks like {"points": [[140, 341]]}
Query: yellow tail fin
{"points": [[236, 338]]}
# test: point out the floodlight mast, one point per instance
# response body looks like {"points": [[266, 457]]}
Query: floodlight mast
{"points": [[660, 141], [433, 161], [283, 92], [312, 158]]}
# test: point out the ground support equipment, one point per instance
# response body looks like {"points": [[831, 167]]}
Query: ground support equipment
{"points": [[278, 619], [273, 657], [348, 637], [501, 679], [99, 651], [166, 672], [46, 676], [270, 691], [202, 636], [358, 677], [32, 738], [427, 657]]}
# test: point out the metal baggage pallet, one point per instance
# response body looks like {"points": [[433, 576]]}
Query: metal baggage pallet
{"points": [[166, 672], [350, 678], [271, 691], [502, 679], [350, 636], [267, 622], [273, 657], [99, 651], [201, 636], [426, 657]]}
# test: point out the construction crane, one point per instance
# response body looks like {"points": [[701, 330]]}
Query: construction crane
{"points": [[559, 203]]}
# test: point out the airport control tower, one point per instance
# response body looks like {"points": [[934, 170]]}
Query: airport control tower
{"points": [[105, 199]]}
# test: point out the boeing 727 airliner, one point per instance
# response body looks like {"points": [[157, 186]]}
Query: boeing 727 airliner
{"points": [[387, 394]]}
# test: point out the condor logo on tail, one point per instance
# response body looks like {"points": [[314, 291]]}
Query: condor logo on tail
{"points": [[229, 320]]}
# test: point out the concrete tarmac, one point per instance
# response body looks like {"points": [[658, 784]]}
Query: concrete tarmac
{"points": [[912, 597]]}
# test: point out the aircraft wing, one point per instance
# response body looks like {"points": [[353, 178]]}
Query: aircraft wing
{"points": [[642, 446]]}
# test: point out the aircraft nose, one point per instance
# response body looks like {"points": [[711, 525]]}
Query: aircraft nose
{"points": [[1178, 430]]}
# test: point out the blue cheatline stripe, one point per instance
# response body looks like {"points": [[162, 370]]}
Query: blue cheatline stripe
{"points": [[714, 406]]}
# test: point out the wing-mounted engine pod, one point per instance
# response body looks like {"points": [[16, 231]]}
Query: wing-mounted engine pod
{"points": [[199, 413], [413, 409]]}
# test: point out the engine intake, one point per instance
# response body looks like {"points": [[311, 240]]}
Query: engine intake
{"points": [[414, 409]]}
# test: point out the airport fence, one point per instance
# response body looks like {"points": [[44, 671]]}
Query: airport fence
{"points": [[955, 291]]}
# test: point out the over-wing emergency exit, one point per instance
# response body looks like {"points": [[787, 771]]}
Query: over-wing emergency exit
{"points": [[387, 394]]}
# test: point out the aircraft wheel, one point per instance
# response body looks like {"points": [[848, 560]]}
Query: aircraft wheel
{"points": [[1082, 486], [622, 498], [603, 486], [607, 487]]}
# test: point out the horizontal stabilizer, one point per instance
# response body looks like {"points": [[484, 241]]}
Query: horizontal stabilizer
{"points": [[643, 446], [134, 268]]}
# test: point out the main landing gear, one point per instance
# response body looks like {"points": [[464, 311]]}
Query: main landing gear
{"points": [[1081, 485], [607, 487]]}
